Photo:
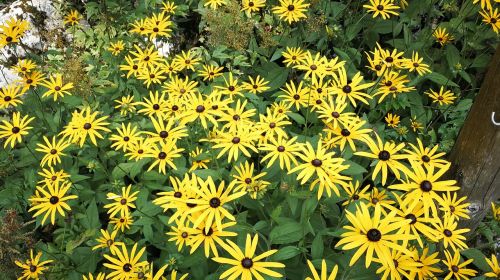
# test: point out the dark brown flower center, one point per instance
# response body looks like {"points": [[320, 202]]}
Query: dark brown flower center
{"points": [[447, 233], [156, 106], [236, 117], [426, 158], [316, 162], [87, 126], [8, 39], [452, 208], [426, 186], [184, 235], [15, 129], [33, 268], [162, 155], [231, 88], [53, 151], [57, 88], [210, 232], [412, 218], [236, 140], [314, 67], [296, 97], [389, 59], [272, 125], [200, 108], [7, 98], [384, 155], [281, 149], [248, 181], [247, 263], [156, 29], [123, 201], [374, 235], [177, 194], [163, 134], [454, 268], [347, 89], [214, 202], [291, 8], [54, 199], [127, 267], [345, 132], [109, 242]]}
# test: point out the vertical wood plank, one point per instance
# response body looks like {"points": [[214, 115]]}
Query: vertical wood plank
{"points": [[475, 157]]}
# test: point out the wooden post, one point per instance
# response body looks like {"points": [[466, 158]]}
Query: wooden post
{"points": [[475, 157]]}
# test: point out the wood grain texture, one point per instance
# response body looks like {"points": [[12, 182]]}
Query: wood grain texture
{"points": [[475, 157]]}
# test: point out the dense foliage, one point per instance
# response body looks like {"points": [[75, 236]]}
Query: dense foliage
{"points": [[253, 139]]}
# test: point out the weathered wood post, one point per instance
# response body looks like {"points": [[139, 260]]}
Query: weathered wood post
{"points": [[476, 155]]}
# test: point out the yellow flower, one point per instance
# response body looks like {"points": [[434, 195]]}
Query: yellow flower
{"points": [[333, 115], [347, 133], [210, 72], [169, 7], [442, 36], [456, 269], [249, 6], [415, 124], [56, 87], [14, 130], [233, 142], [132, 66], [214, 4], [125, 265], [210, 201], [164, 153], [11, 96], [450, 234], [454, 208], [210, 238], [257, 85], [246, 264], [495, 269], [100, 276], [324, 272], [393, 84], [350, 89], [442, 97], [121, 202], [496, 211], [392, 120], [127, 136], [314, 66], [24, 66], [155, 105], [181, 234], [384, 8], [427, 268], [485, 4], [72, 18], [297, 96], [423, 184], [33, 268], [122, 223], [186, 60], [149, 57], [50, 176], [293, 56], [373, 235], [285, 150], [32, 79], [198, 161], [491, 17], [402, 265], [83, 124], [166, 130], [324, 165], [386, 157], [116, 48], [199, 107], [107, 240], [158, 25], [53, 151], [425, 155], [416, 64], [52, 201], [244, 177], [291, 10]]}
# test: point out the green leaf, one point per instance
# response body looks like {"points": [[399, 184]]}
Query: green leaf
{"points": [[317, 247], [91, 218], [354, 169], [286, 253], [286, 233], [440, 79], [479, 258]]}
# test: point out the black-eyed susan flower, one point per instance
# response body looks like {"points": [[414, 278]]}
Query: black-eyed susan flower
{"points": [[386, 157], [271, 126], [284, 150], [83, 124], [166, 130], [237, 117], [121, 203], [244, 177], [56, 87], [291, 10], [393, 84], [374, 235], [210, 203], [122, 223], [334, 114], [210, 238], [322, 165], [15, 129], [53, 150], [402, 266], [457, 269], [415, 124], [198, 160], [450, 234], [12, 31], [198, 108], [419, 224], [51, 176], [209, 72], [443, 97], [90, 276], [380, 197], [485, 4], [355, 192], [347, 134], [442, 36], [246, 264], [350, 89], [116, 47], [491, 17], [453, 207], [295, 96], [232, 87], [123, 264], [428, 265], [33, 268], [139, 26], [495, 268], [163, 154], [257, 85], [424, 184], [236, 141], [158, 25], [392, 120], [214, 4], [416, 64], [293, 56], [390, 59], [181, 234], [324, 271], [186, 60], [495, 211], [250, 6], [72, 18], [383, 8], [151, 75], [125, 138], [313, 66], [11, 96], [169, 7], [148, 57], [53, 200], [155, 105], [140, 149], [131, 66], [24, 66], [425, 155], [107, 240], [32, 79]]}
